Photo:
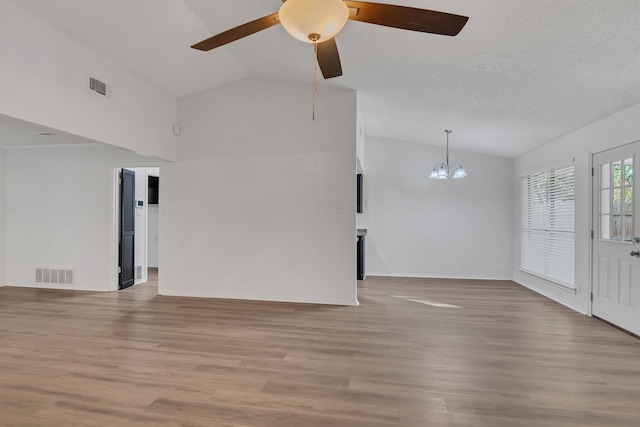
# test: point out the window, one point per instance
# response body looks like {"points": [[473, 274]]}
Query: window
{"points": [[616, 201], [547, 235]]}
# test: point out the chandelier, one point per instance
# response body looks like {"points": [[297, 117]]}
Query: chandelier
{"points": [[443, 170]]}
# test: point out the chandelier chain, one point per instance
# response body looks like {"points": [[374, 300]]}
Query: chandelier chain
{"points": [[315, 82]]}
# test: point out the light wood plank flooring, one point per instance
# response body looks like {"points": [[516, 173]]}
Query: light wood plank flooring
{"points": [[505, 357]]}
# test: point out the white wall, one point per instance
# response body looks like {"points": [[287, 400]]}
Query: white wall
{"points": [[59, 212], [153, 228], [427, 228], [618, 129], [361, 137], [3, 215], [44, 79], [153, 235], [362, 219], [250, 207]]}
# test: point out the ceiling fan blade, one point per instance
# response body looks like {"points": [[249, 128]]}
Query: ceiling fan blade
{"points": [[329, 59], [238, 32], [406, 18]]}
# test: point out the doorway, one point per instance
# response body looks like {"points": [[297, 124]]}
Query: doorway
{"points": [[616, 246], [127, 208], [136, 222]]}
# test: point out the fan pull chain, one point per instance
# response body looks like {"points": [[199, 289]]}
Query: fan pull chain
{"points": [[313, 90]]}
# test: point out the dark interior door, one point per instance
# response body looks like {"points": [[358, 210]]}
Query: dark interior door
{"points": [[127, 227], [360, 257]]}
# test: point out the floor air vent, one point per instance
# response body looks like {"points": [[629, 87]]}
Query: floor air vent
{"points": [[139, 272], [54, 276]]}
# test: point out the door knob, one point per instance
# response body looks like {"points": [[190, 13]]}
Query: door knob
{"points": [[635, 253]]}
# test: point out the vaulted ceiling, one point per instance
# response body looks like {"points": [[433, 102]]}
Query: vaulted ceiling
{"points": [[519, 75]]}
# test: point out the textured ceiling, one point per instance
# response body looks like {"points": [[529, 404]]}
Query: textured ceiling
{"points": [[520, 74]]}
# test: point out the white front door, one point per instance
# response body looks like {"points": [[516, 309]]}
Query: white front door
{"points": [[616, 252]]}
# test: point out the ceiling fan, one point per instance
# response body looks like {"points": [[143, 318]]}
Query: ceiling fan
{"points": [[318, 21]]}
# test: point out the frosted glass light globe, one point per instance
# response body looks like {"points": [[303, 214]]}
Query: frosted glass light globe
{"points": [[313, 21], [460, 173]]}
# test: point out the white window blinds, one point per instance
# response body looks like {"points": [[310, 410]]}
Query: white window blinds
{"points": [[547, 234]]}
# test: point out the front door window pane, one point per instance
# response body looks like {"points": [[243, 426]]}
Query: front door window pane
{"points": [[617, 174], [605, 175], [628, 228], [628, 200], [605, 227], [605, 201], [628, 172], [616, 201], [616, 233]]}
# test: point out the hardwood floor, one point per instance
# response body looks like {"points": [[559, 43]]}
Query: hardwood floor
{"points": [[504, 356]]}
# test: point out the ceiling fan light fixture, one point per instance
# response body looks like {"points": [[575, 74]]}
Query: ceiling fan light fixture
{"points": [[313, 21]]}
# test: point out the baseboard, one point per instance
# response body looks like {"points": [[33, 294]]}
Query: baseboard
{"points": [[552, 297], [60, 287], [255, 298], [422, 276]]}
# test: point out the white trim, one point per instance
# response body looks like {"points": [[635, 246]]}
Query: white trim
{"points": [[253, 298], [113, 230], [552, 297], [592, 230], [570, 289], [429, 276], [71, 288], [76, 144], [593, 153]]}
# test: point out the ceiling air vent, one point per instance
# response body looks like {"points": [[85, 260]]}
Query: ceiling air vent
{"points": [[99, 87]]}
